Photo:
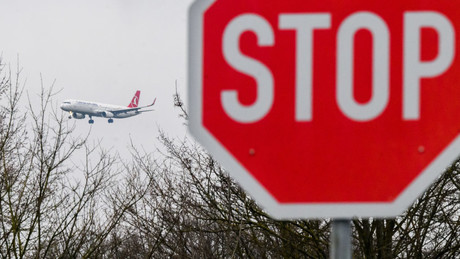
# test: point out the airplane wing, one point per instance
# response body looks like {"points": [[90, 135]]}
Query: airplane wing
{"points": [[118, 111]]}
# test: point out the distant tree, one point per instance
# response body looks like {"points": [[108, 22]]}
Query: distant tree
{"points": [[194, 210]]}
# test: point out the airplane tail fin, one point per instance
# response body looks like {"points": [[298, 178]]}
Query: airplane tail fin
{"points": [[135, 101]]}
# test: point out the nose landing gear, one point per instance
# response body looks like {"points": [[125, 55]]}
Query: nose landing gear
{"points": [[110, 120]]}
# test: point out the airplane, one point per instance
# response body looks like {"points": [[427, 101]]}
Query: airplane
{"points": [[79, 109]]}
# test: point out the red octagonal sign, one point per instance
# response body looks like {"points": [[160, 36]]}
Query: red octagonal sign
{"points": [[327, 108]]}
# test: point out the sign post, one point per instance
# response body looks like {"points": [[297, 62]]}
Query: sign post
{"points": [[340, 239], [327, 109]]}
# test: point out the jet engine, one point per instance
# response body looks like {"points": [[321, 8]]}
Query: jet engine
{"points": [[107, 114], [78, 115]]}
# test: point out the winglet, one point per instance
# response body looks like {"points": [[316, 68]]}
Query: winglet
{"points": [[135, 101], [150, 105]]}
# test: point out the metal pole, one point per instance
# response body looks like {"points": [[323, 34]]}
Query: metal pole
{"points": [[340, 239]]}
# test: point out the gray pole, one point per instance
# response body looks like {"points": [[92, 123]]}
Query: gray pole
{"points": [[340, 239]]}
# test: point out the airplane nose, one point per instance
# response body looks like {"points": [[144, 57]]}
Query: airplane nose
{"points": [[64, 106]]}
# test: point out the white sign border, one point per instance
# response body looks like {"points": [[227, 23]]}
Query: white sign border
{"points": [[253, 187]]}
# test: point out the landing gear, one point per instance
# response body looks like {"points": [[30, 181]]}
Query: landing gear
{"points": [[91, 121], [110, 120]]}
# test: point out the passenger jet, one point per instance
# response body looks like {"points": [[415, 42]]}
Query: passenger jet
{"points": [[79, 109]]}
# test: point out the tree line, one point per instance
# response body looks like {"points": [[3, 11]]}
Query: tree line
{"points": [[172, 202]]}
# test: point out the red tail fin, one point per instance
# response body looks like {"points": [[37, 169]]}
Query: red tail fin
{"points": [[135, 100]]}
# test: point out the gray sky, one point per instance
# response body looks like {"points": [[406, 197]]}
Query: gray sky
{"points": [[103, 51]]}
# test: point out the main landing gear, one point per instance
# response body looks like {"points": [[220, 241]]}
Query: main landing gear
{"points": [[91, 121]]}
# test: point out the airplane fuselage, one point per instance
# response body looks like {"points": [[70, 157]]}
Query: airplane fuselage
{"points": [[96, 109]]}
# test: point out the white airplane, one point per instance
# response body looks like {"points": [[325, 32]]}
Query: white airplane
{"points": [[79, 109]]}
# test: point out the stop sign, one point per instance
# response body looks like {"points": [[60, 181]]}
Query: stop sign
{"points": [[327, 108]]}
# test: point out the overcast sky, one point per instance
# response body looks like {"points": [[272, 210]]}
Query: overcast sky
{"points": [[103, 51]]}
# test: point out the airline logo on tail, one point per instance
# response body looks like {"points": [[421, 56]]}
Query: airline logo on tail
{"points": [[135, 100]]}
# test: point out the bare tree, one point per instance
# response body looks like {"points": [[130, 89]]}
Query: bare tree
{"points": [[61, 197], [50, 205], [195, 210]]}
